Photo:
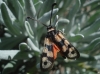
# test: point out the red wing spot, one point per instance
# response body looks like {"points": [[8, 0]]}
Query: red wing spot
{"points": [[55, 51]]}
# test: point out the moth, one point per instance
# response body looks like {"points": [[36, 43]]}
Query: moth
{"points": [[55, 42]]}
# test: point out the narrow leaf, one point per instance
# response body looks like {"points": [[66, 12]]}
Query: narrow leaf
{"points": [[8, 20]]}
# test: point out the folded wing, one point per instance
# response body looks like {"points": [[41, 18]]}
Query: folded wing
{"points": [[66, 49], [48, 55]]}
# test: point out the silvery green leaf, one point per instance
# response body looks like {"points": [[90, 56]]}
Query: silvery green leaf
{"points": [[31, 12], [29, 30], [92, 28], [24, 47], [33, 46], [47, 15], [8, 19]]}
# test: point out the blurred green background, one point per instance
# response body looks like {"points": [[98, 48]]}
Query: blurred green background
{"points": [[21, 41]]}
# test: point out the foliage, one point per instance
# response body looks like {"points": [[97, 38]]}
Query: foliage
{"points": [[21, 41]]}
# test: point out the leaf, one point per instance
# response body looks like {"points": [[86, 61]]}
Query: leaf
{"points": [[61, 23], [11, 67], [46, 6], [17, 9], [32, 45], [85, 57], [30, 8], [24, 55], [8, 20], [71, 15], [95, 49], [47, 15], [38, 6], [76, 38], [92, 28], [92, 18], [74, 10], [22, 2], [91, 37], [29, 30], [92, 44], [24, 47], [31, 12], [10, 42], [91, 2]]}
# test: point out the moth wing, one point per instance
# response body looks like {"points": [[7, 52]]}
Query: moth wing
{"points": [[48, 55], [66, 49], [70, 51]]}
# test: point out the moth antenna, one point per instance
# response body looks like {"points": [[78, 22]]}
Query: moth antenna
{"points": [[35, 20], [52, 11]]}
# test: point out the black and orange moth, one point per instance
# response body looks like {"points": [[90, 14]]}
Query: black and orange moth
{"points": [[55, 42]]}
